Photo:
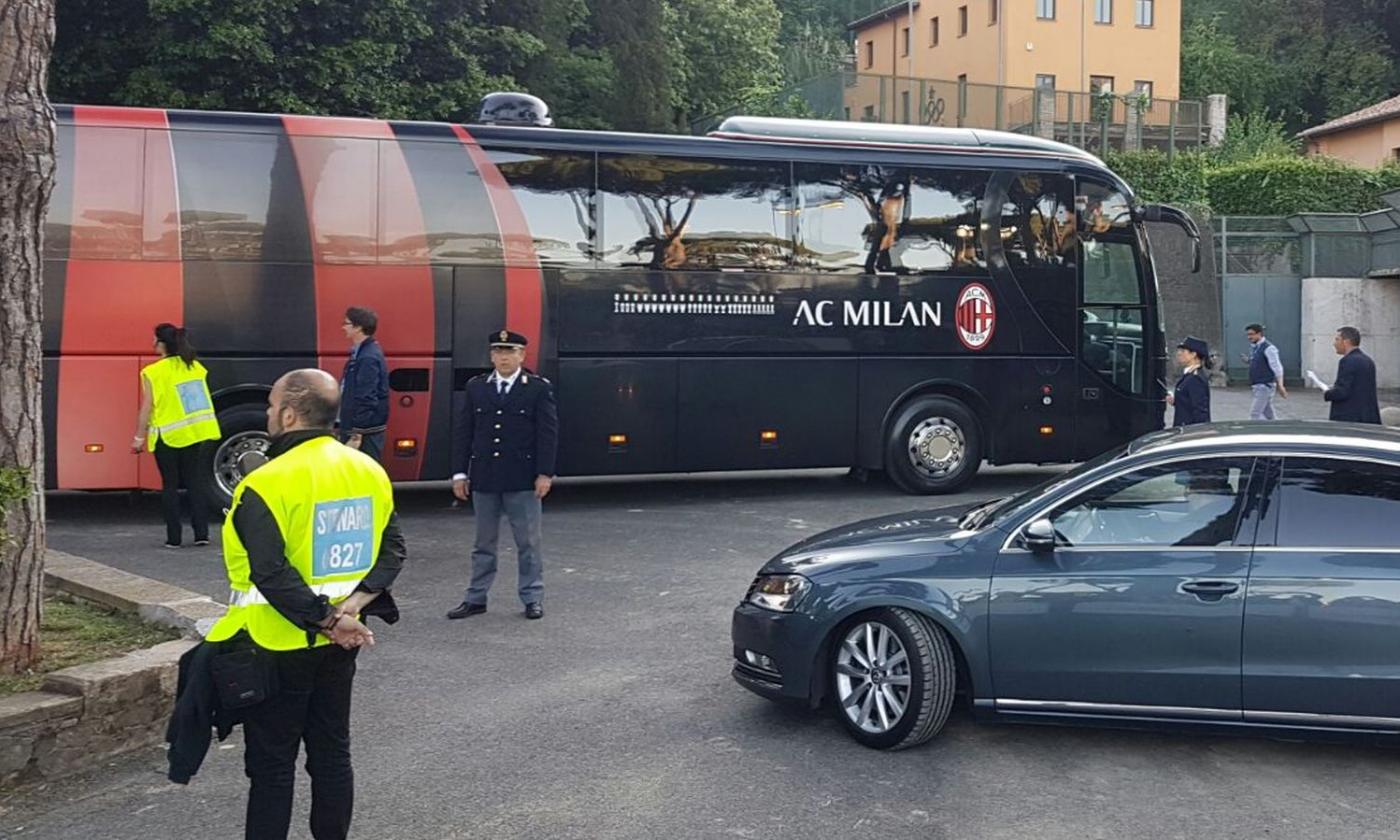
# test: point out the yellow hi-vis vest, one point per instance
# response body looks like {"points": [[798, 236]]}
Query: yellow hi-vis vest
{"points": [[182, 412], [331, 504]]}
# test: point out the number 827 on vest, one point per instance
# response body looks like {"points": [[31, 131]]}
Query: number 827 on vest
{"points": [[343, 537]]}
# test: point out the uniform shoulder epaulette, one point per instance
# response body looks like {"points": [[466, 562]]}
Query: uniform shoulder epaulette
{"points": [[480, 377], [526, 377]]}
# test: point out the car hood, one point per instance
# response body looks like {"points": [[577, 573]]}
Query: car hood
{"points": [[891, 535]]}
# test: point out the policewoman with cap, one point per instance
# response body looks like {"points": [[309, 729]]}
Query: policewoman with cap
{"points": [[1192, 395], [507, 442], [176, 417]]}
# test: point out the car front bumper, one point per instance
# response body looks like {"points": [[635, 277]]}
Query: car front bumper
{"points": [[790, 640]]}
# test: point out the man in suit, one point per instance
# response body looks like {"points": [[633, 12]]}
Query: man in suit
{"points": [[1353, 396], [507, 443]]}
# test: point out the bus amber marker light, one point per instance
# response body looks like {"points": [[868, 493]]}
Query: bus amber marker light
{"points": [[617, 440], [93, 448], [406, 447], [1047, 431], [768, 437]]}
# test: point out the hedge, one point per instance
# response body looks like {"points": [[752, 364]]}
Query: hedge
{"points": [[1266, 186]]}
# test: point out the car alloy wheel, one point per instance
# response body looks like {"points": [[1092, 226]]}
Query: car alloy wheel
{"points": [[872, 677]]}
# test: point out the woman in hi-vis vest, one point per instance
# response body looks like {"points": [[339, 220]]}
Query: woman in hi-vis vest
{"points": [[177, 415]]}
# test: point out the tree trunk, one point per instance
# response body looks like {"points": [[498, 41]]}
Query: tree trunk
{"points": [[26, 179]]}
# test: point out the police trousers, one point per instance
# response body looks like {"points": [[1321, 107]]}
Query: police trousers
{"points": [[311, 706], [523, 511]]}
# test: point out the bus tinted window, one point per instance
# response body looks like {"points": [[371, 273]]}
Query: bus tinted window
{"points": [[881, 219], [687, 214], [1037, 221], [240, 197], [1103, 209], [1110, 273], [555, 192]]}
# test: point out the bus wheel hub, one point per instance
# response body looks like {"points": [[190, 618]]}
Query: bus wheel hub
{"points": [[936, 446]]}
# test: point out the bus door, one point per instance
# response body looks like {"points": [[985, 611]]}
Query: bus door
{"points": [[1115, 381]]}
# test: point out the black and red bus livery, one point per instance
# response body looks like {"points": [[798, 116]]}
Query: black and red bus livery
{"points": [[780, 294]]}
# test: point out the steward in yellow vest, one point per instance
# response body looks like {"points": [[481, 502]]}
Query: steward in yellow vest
{"points": [[311, 540], [176, 417]]}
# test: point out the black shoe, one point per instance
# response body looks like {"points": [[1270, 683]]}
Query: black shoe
{"points": [[464, 609], [171, 545], [534, 610], [200, 543]]}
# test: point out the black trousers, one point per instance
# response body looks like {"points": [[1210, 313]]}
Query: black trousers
{"points": [[312, 705], [181, 466]]}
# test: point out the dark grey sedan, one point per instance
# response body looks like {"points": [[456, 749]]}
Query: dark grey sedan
{"points": [[1236, 576]]}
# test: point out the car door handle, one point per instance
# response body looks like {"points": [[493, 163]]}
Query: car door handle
{"points": [[1210, 590]]}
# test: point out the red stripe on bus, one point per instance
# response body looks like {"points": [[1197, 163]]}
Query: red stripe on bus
{"points": [[524, 280], [124, 276], [348, 216]]}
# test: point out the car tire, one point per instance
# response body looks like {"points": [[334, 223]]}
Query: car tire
{"points": [[934, 446], [244, 428], [928, 664]]}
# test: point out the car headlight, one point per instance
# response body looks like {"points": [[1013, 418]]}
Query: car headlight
{"points": [[779, 593]]}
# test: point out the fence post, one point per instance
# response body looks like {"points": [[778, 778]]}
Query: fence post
{"points": [[1217, 117], [1171, 130], [1001, 107], [880, 117], [1104, 118], [920, 119]]}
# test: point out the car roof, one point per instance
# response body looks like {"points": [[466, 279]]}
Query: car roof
{"points": [[1295, 435]]}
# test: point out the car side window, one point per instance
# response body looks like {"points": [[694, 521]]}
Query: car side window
{"points": [[1330, 503], [1192, 503]]}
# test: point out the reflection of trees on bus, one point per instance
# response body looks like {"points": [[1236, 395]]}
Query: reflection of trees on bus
{"points": [[915, 221], [664, 195], [1038, 224]]}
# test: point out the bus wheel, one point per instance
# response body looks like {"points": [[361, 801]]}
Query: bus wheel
{"points": [[245, 430], [934, 446]]}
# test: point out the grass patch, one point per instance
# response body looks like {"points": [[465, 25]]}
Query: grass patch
{"points": [[77, 632]]}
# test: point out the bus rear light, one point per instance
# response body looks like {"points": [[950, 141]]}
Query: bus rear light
{"points": [[1047, 431], [406, 447], [94, 448]]}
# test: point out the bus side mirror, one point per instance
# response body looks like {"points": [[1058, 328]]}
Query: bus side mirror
{"points": [[1175, 216]]}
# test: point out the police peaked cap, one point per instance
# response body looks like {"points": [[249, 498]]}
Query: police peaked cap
{"points": [[506, 338]]}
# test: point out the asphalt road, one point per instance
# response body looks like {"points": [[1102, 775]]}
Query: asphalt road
{"points": [[615, 716]]}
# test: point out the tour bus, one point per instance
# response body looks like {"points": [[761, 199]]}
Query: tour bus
{"points": [[779, 294]]}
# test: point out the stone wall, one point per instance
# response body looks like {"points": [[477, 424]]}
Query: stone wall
{"points": [[1371, 305], [89, 713]]}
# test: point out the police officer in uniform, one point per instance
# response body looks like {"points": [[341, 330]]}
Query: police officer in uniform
{"points": [[311, 540], [508, 439]]}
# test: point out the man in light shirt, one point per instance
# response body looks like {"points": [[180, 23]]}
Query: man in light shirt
{"points": [[1265, 373]]}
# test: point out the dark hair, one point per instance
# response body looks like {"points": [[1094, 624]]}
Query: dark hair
{"points": [[1351, 334], [176, 342], [316, 407], [363, 318], [1259, 328]]}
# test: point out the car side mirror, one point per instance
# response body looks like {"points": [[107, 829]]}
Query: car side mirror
{"points": [[1039, 536]]}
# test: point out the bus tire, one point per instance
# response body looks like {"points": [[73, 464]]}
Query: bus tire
{"points": [[933, 446], [245, 428]]}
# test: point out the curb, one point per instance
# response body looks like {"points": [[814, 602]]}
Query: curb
{"points": [[154, 601]]}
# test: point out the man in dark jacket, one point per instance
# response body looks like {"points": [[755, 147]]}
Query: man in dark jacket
{"points": [[1353, 396], [364, 387], [507, 441]]}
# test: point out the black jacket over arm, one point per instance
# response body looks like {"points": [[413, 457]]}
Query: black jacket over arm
{"points": [[1353, 397], [1192, 400]]}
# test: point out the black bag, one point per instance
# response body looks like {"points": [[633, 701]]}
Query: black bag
{"points": [[244, 677]]}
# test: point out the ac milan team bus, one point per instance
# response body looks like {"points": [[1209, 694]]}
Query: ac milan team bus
{"points": [[779, 294]]}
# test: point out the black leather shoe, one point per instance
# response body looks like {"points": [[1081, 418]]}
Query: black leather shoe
{"points": [[464, 610], [534, 611]]}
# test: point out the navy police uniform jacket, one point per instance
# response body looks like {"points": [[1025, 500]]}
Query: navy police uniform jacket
{"points": [[504, 443], [1192, 400], [1353, 397]]}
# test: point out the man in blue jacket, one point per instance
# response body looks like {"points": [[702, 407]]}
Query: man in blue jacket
{"points": [[1353, 395], [364, 387], [507, 443]]}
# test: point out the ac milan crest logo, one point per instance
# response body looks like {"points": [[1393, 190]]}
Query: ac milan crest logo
{"points": [[976, 316]]}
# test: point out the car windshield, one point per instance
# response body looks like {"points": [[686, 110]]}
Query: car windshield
{"points": [[992, 512]]}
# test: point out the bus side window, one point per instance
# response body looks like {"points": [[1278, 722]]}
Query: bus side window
{"points": [[889, 220], [691, 214], [1038, 222], [555, 192]]}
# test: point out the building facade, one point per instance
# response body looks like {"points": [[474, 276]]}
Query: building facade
{"points": [[1067, 45], [1369, 137]]}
